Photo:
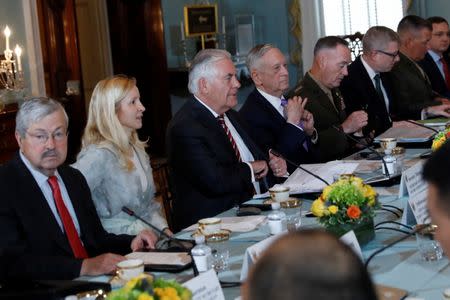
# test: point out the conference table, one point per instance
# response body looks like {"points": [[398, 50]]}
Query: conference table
{"points": [[400, 266]]}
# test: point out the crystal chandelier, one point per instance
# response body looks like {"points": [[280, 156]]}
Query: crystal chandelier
{"points": [[11, 74]]}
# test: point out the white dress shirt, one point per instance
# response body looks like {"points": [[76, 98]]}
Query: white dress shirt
{"points": [[43, 184], [244, 152], [372, 74]]}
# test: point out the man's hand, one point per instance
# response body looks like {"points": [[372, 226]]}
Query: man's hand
{"points": [[442, 100], [260, 168], [308, 122], [146, 239], [294, 109], [277, 165], [439, 110], [99, 265], [355, 121]]}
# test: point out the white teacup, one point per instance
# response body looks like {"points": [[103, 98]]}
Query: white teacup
{"points": [[279, 193], [130, 268], [209, 226], [388, 144]]}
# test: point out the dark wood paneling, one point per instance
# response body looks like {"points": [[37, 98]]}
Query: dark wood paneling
{"points": [[59, 42], [138, 50]]}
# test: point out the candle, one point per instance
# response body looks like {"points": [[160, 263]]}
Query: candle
{"points": [[7, 33], [223, 24], [18, 52], [182, 30]]}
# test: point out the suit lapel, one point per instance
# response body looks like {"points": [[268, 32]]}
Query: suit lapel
{"points": [[268, 107], [35, 204]]}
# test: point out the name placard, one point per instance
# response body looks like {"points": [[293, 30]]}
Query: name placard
{"points": [[205, 286], [417, 190]]}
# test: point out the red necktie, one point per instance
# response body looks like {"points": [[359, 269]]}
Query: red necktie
{"points": [[446, 72], [221, 120], [69, 228]]}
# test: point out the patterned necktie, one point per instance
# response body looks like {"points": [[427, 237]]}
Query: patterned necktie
{"points": [[378, 86], [69, 227], [221, 120], [446, 72]]}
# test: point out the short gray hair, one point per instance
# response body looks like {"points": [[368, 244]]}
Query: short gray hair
{"points": [[257, 52], [35, 109], [202, 66], [377, 38]]}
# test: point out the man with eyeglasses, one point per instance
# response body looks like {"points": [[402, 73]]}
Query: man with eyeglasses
{"points": [[367, 86], [414, 97], [48, 223], [435, 63]]}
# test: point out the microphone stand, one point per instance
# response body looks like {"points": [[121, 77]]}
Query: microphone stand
{"points": [[422, 125], [297, 166], [366, 146], [176, 241], [418, 229]]}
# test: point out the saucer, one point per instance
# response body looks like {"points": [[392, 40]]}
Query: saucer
{"points": [[219, 236], [291, 202]]}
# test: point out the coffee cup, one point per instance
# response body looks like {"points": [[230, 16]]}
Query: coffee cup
{"points": [[388, 144], [209, 226], [279, 193], [130, 268]]}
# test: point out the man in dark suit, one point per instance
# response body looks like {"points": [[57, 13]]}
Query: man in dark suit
{"points": [[48, 222], [414, 97], [435, 63], [321, 86], [275, 122], [215, 164], [367, 87]]}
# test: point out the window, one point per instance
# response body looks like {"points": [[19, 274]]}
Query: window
{"points": [[343, 17]]}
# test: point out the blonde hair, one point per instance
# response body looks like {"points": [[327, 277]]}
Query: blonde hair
{"points": [[103, 127]]}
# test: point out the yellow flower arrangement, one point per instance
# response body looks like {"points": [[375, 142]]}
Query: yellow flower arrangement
{"points": [[440, 139], [346, 201], [143, 287]]}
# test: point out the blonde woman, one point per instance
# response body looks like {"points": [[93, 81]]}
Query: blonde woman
{"points": [[114, 161]]}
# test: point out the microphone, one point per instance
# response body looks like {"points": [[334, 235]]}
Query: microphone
{"points": [[366, 146], [175, 240], [422, 125], [297, 166], [419, 228]]}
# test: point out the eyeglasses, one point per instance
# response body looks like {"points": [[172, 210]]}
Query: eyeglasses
{"points": [[392, 55], [43, 137], [441, 34]]}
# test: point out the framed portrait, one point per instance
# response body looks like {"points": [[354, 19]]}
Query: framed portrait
{"points": [[200, 20]]}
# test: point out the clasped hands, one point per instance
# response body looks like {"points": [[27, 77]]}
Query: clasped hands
{"points": [[276, 164], [297, 114]]}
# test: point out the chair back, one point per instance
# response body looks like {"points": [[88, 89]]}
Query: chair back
{"points": [[160, 168], [354, 43]]}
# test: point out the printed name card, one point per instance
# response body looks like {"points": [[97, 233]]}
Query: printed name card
{"points": [[417, 190], [253, 252], [350, 240], [205, 286]]}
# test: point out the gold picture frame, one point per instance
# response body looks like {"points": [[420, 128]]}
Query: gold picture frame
{"points": [[200, 20]]}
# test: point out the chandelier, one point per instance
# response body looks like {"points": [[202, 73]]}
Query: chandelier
{"points": [[11, 74]]}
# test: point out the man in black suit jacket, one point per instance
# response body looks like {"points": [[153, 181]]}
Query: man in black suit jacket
{"points": [[414, 97], [282, 125], [34, 243], [210, 172], [435, 63], [366, 86], [321, 86]]}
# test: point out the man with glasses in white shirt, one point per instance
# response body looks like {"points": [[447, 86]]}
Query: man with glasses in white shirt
{"points": [[366, 86]]}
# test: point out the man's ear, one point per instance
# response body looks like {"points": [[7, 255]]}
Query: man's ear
{"points": [[203, 86], [18, 139]]}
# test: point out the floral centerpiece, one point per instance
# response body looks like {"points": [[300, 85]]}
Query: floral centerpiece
{"points": [[440, 139], [347, 204], [143, 287]]}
